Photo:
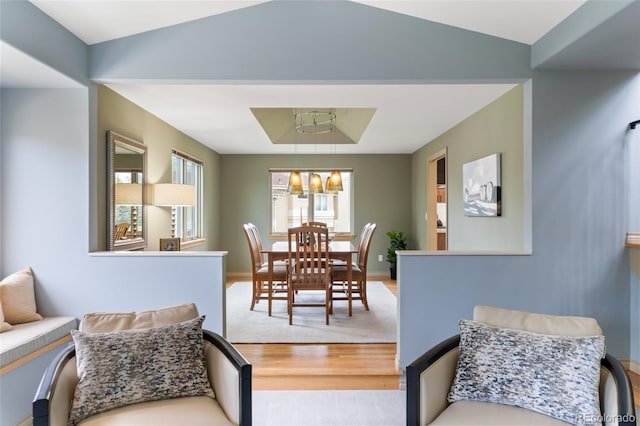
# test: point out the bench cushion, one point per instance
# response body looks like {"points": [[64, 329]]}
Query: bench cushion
{"points": [[27, 338]]}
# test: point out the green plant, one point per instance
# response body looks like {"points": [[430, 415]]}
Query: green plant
{"points": [[398, 241]]}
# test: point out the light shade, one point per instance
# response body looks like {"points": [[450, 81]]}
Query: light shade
{"points": [[128, 194], [173, 194], [315, 184], [334, 182], [295, 184]]}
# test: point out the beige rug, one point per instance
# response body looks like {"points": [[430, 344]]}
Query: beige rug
{"points": [[378, 325]]}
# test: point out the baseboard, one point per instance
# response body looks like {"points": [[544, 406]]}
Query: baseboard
{"points": [[238, 276], [377, 276], [631, 365], [27, 421]]}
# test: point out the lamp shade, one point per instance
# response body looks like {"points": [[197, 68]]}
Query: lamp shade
{"points": [[173, 194], [315, 184], [128, 194], [295, 184], [334, 182]]}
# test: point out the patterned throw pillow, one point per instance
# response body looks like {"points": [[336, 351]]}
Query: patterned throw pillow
{"points": [[553, 375], [130, 366]]}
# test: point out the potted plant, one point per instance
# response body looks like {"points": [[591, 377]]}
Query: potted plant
{"points": [[398, 241]]}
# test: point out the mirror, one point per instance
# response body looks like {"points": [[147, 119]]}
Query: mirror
{"points": [[126, 167]]}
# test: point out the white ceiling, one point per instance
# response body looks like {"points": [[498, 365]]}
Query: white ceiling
{"points": [[407, 117]]}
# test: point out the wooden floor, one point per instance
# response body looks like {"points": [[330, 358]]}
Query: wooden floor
{"points": [[283, 366], [280, 366]]}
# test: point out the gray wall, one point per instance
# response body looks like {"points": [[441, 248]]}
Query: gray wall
{"points": [[580, 265], [497, 128], [382, 195], [120, 115]]}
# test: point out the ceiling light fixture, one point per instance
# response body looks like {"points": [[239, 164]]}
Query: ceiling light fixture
{"points": [[315, 184], [295, 184], [334, 182], [314, 122]]}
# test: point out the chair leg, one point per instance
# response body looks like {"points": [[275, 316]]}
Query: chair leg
{"points": [[328, 297], [363, 292], [255, 294], [290, 303], [270, 296]]}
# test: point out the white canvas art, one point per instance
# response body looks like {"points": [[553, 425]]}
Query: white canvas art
{"points": [[481, 186]]}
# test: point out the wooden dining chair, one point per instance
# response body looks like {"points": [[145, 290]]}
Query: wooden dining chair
{"points": [[262, 288], [320, 224], [356, 289], [121, 231], [309, 267]]}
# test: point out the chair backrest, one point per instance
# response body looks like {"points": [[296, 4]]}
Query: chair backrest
{"points": [[363, 250], [121, 230], [256, 255], [320, 224], [309, 254], [256, 235]]}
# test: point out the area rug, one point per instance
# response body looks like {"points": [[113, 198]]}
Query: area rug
{"points": [[329, 408], [378, 325]]}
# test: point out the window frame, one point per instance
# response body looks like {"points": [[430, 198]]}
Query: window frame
{"points": [[311, 205], [181, 211]]}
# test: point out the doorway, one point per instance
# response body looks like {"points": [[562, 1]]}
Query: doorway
{"points": [[437, 217]]}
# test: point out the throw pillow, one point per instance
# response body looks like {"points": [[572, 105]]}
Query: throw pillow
{"points": [[131, 366], [553, 375], [4, 326], [18, 298]]}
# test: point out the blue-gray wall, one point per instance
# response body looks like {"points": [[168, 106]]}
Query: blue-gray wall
{"points": [[581, 174], [579, 265]]}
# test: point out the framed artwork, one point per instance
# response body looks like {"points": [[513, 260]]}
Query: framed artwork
{"points": [[169, 244], [481, 186]]}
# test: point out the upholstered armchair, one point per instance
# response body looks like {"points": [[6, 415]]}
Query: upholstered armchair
{"points": [[100, 380], [517, 368]]}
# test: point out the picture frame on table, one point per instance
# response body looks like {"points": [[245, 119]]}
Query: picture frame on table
{"points": [[169, 244]]}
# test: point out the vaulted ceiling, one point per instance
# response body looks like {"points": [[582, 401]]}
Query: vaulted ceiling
{"points": [[406, 116]]}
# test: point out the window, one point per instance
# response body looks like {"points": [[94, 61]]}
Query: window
{"points": [[336, 210], [127, 213], [188, 170]]}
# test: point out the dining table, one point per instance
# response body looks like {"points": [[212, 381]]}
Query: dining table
{"points": [[338, 250]]}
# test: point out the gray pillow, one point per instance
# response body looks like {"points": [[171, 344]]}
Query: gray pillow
{"points": [[130, 366], [554, 375]]}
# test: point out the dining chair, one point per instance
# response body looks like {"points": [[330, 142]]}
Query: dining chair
{"points": [[320, 224], [356, 289], [121, 231], [309, 267], [262, 287]]}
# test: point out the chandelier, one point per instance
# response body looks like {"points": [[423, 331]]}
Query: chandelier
{"points": [[314, 122]]}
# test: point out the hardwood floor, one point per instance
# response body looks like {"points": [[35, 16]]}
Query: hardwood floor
{"points": [[280, 366]]}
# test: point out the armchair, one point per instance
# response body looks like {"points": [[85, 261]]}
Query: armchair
{"points": [[430, 378], [227, 371]]}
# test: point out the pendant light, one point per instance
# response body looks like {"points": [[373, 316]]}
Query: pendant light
{"points": [[295, 184], [315, 184], [295, 178], [334, 182]]}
